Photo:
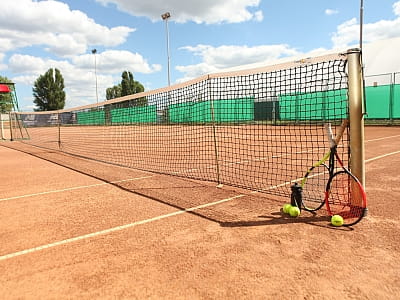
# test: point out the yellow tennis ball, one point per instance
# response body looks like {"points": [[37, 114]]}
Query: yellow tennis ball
{"points": [[337, 220], [294, 211], [286, 208]]}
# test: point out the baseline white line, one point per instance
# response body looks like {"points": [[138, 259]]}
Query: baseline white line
{"points": [[74, 188], [114, 229]]}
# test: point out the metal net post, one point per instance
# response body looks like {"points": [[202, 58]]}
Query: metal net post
{"points": [[356, 114]]}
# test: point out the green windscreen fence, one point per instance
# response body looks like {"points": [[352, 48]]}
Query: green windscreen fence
{"points": [[95, 117], [396, 101], [266, 110], [128, 115], [141, 114], [326, 105], [232, 110], [383, 101]]}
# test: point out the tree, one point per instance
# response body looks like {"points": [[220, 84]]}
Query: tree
{"points": [[128, 86], [48, 91], [113, 92], [6, 100]]}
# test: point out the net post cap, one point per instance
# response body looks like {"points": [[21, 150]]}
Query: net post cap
{"points": [[354, 50]]}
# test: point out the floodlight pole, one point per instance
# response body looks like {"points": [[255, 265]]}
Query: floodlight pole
{"points": [[361, 22], [165, 17], [94, 51]]}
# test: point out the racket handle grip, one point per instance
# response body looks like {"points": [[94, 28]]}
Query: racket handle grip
{"points": [[329, 134], [296, 197]]}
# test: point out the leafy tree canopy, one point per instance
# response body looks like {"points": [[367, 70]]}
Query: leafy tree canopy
{"points": [[113, 92], [48, 91], [128, 86]]}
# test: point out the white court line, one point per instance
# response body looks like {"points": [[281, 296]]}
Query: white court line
{"points": [[114, 229], [74, 188], [383, 138], [382, 156], [145, 221]]}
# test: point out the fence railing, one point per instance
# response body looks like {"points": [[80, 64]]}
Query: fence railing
{"points": [[382, 93]]}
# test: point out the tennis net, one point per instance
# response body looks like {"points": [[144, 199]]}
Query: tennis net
{"points": [[258, 129]]}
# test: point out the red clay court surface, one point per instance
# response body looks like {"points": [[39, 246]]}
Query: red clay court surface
{"points": [[73, 228]]}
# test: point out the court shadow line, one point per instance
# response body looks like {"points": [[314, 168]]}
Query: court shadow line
{"points": [[276, 218], [135, 192], [280, 218]]}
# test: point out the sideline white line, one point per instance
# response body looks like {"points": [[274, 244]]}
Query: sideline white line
{"points": [[74, 188], [382, 156], [383, 138], [126, 226]]}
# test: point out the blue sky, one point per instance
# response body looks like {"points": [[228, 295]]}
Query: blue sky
{"points": [[205, 36]]}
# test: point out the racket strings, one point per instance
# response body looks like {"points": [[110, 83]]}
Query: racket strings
{"points": [[345, 197]]}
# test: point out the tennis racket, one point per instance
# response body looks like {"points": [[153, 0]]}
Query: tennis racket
{"points": [[339, 189], [344, 193], [313, 184]]}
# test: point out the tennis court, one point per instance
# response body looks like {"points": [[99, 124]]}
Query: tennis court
{"points": [[78, 228]]}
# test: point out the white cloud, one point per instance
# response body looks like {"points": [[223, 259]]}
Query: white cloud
{"points": [[28, 107], [51, 23], [78, 72], [258, 16], [116, 61], [194, 71], [331, 12], [348, 32], [78, 82], [216, 59], [205, 11], [2, 66], [378, 57], [396, 8]]}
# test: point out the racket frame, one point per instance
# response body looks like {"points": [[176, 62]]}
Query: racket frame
{"points": [[332, 155]]}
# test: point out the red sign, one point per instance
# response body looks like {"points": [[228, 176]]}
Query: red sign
{"points": [[4, 88]]}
